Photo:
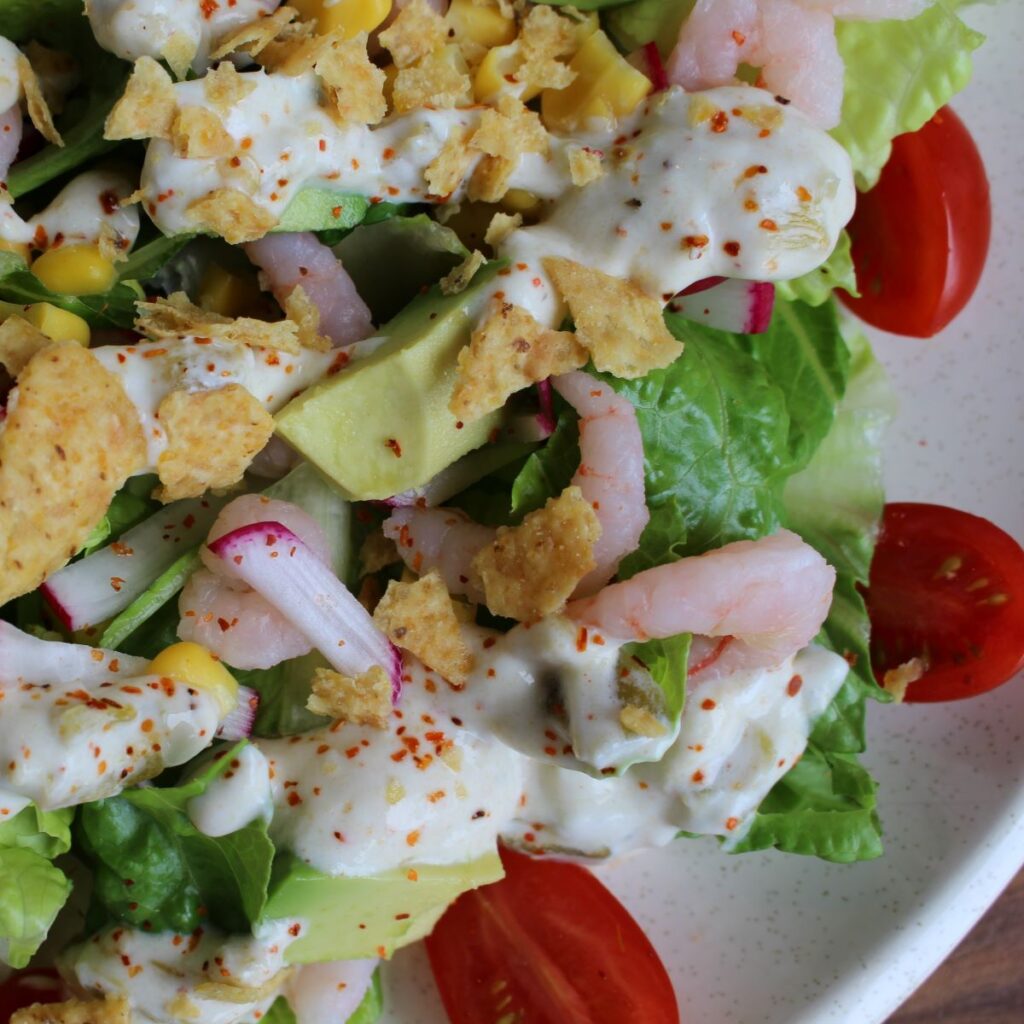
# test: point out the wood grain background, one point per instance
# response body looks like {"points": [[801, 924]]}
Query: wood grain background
{"points": [[983, 981]]}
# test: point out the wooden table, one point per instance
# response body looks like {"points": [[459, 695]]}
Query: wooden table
{"points": [[983, 980]]}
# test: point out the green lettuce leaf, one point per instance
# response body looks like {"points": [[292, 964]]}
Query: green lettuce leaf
{"points": [[898, 74], [549, 469], [666, 660], [817, 286], [284, 690], [645, 21], [154, 869]]}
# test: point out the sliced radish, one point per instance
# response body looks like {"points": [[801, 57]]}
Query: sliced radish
{"points": [[546, 399], [238, 723], [655, 67], [27, 658], [276, 564], [106, 582], [730, 305]]}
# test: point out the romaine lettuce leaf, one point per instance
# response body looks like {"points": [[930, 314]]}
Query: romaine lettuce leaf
{"points": [[549, 469], [284, 690], [817, 286]]}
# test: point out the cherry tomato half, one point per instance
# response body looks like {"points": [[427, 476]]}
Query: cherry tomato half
{"points": [[920, 236], [23, 988], [946, 587], [549, 944]]}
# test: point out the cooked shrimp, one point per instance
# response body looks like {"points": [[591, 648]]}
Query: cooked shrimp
{"points": [[300, 258], [792, 42], [611, 471], [10, 138], [770, 596], [329, 991], [228, 617], [440, 538]]}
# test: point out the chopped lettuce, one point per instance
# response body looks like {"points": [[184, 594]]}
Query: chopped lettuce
{"points": [[284, 690], [816, 287], [646, 21], [898, 74], [666, 660], [549, 469]]}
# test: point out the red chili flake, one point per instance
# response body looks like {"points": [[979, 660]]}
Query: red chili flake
{"points": [[732, 248], [490, 642], [708, 704], [768, 225], [694, 241], [395, 447], [581, 639], [412, 875], [550, 751], [731, 824], [147, 725], [388, 154], [697, 777], [803, 195], [246, 143], [323, 145], [751, 205], [208, 7], [294, 799], [115, 583], [399, 755], [109, 201], [794, 685], [719, 122], [295, 930], [738, 37], [412, 838], [755, 169], [352, 752]]}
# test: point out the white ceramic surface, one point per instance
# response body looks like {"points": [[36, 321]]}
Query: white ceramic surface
{"points": [[773, 939]]}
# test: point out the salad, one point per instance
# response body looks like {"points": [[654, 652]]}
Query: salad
{"points": [[434, 456]]}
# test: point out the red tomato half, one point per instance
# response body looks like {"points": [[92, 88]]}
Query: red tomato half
{"points": [[23, 988], [920, 236], [549, 944], [946, 587]]}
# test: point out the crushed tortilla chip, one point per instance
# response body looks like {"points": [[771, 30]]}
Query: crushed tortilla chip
{"points": [[179, 51], [19, 342], [584, 165], [365, 700], [225, 88], [146, 107], [376, 553], [234, 992], [420, 618], [198, 132], [38, 111], [531, 570], [491, 179], [502, 225], [896, 680], [641, 721], [111, 1010], [212, 436], [445, 173], [354, 84], [510, 131], [458, 279], [231, 214], [300, 310], [254, 37], [620, 325], [507, 353], [417, 31], [71, 439], [544, 37], [435, 81], [176, 316], [113, 246]]}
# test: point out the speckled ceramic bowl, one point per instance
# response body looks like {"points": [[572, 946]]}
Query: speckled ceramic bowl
{"points": [[766, 938]]}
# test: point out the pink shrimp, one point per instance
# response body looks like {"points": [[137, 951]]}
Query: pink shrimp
{"points": [[229, 618], [300, 258], [10, 138], [611, 472], [768, 596], [440, 538]]}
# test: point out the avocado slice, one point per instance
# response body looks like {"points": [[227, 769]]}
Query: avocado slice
{"points": [[347, 918], [381, 425]]}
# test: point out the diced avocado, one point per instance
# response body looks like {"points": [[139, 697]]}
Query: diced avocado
{"points": [[321, 209], [349, 918], [381, 425]]}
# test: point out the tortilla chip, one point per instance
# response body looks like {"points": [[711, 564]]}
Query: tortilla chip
{"points": [[641, 721], [417, 31], [438, 81], [256, 36], [231, 214], [212, 436], [510, 131], [300, 310], [458, 279], [365, 700], [502, 225], [355, 86], [295, 50], [544, 37], [38, 111], [448, 169], [896, 680], [19, 342], [376, 553], [531, 570], [198, 133], [225, 88], [71, 439], [54, 69], [420, 618], [491, 179], [507, 353], [179, 51], [112, 1010], [146, 107], [585, 165], [620, 325]]}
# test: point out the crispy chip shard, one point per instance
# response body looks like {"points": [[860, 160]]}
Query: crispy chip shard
{"points": [[641, 721], [302, 311], [417, 31], [179, 51], [111, 1010], [436, 81], [225, 88], [458, 279], [448, 169], [377, 552], [197, 133], [584, 165], [531, 570], [420, 618], [231, 214], [507, 353], [365, 700], [354, 85], [896, 680], [502, 225], [504, 135], [545, 36], [38, 111], [19, 342], [70, 440], [254, 37], [146, 107], [232, 992], [212, 436], [620, 325]]}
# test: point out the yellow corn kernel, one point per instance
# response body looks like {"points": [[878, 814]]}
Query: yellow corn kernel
{"points": [[518, 200], [496, 75], [75, 270], [22, 249], [193, 665], [606, 87], [349, 17], [481, 23], [56, 323], [230, 294]]}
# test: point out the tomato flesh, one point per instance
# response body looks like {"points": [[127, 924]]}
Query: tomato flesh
{"points": [[34, 985], [547, 945], [946, 587], [921, 235]]}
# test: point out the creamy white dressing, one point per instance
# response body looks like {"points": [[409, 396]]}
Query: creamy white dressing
{"points": [[328, 993], [86, 209], [170, 28], [239, 795]]}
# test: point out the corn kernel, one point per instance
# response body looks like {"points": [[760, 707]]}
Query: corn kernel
{"points": [[496, 75], [349, 17], [230, 294], [57, 324], [518, 200], [606, 87], [481, 23], [193, 665], [22, 249], [75, 270]]}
